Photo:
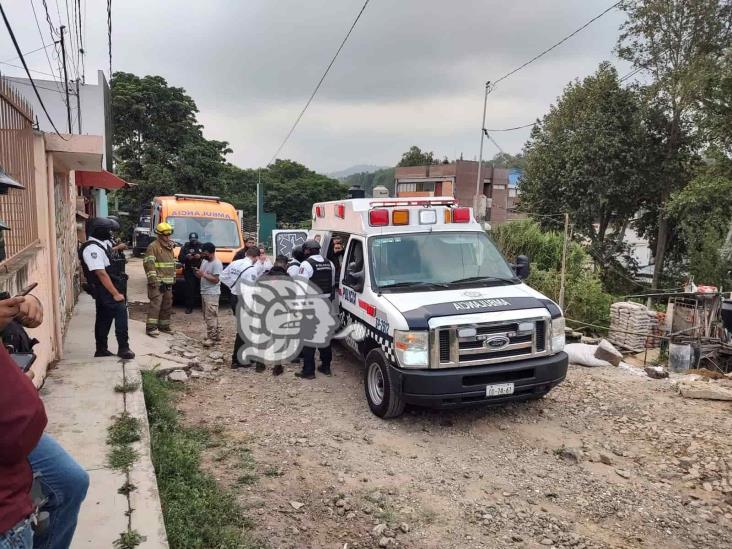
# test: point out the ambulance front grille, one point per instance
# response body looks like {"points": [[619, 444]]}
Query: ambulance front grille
{"points": [[492, 343]]}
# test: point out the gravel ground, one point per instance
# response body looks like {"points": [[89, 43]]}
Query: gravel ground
{"points": [[609, 458]]}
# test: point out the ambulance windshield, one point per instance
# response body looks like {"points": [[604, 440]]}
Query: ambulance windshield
{"points": [[222, 232], [444, 259]]}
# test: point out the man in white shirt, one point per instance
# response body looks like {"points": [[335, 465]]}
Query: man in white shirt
{"points": [[107, 285], [293, 267], [264, 263], [241, 269]]}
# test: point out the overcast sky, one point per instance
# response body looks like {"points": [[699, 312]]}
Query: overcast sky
{"points": [[413, 71]]}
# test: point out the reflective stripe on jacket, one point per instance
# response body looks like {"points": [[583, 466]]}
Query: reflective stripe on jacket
{"points": [[159, 263]]}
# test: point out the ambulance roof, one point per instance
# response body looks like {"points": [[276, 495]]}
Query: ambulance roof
{"points": [[423, 214]]}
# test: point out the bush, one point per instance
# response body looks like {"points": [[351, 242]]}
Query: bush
{"points": [[585, 299]]}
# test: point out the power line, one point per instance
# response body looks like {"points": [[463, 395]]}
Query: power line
{"points": [[317, 87], [20, 54], [489, 136], [32, 51], [23, 68], [562, 41], [81, 40], [514, 128], [40, 87], [109, 35]]}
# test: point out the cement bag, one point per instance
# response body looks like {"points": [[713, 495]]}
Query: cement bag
{"points": [[584, 355]]}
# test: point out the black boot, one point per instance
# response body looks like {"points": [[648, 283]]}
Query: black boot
{"points": [[125, 353], [325, 370], [278, 369], [304, 376], [189, 310], [103, 352]]}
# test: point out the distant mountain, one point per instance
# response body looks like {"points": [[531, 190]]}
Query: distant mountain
{"points": [[360, 168]]}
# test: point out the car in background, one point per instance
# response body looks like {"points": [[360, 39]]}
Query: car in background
{"points": [[141, 235]]}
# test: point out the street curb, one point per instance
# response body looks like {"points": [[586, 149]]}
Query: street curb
{"points": [[144, 502]]}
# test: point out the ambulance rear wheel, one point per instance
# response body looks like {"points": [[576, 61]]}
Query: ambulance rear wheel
{"points": [[382, 395]]}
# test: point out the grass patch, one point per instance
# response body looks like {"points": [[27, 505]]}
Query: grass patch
{"points": [[129, 540], [127, 387], [247, 478], [197, 511], [127, 488], [124, 430], [122, 458], [272, 472]]}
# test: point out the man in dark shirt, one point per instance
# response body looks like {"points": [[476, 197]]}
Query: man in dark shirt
{"points": [[22, 420], [190, 257]]}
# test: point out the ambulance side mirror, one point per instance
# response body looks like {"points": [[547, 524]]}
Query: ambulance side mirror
{"points": [[354, 276], [523, 267]]}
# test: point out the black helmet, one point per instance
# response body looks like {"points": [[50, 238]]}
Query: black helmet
{"points": [[297, 253], [193, 236], [101, 227], [312, 245]]}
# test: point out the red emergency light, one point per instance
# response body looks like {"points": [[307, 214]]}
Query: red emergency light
{"points": [[378, 218], [461, 215], [319, 211], [340, 210]]}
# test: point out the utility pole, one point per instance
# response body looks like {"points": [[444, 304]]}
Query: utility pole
{"points": [[260, 199], [564, 261], [479, 183], [78, 104], [66, 78]]}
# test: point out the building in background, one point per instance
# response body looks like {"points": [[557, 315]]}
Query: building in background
{"points": [[459, 179], [43, 214], [91, 114]]}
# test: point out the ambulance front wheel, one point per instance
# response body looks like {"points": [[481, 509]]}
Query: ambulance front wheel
{"points": [[382, 393]]}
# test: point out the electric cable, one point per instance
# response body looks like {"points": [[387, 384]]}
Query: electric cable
{"points": [[25, 66], [109, 35], [562, 41], [317, 87]]}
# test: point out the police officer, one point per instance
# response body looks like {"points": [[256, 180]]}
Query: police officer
{"points": [[320, 272], [117, 248], [107, 285], [190, 256], [293, 266]]}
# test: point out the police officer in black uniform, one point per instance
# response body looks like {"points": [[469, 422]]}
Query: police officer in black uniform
{"points": [[107, 284], [320, 272], [190, 256]]}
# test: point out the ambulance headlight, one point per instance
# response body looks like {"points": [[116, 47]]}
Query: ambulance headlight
{"points": [[412, 349], [557, 335]]}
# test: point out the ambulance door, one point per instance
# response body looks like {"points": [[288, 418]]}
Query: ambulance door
{"points": [[352, 285]]}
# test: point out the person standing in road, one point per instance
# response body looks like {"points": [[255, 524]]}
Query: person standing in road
{"points": [[264, 263], [241, 269], [241, 253], [190, 257], [320, 272], [159, 264], [209, 274], [107, 285]]}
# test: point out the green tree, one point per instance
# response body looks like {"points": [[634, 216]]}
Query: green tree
{"points": [[703, 212], [416, 157], [680, 44], [508, 160], [158, 144], [588, 157]]}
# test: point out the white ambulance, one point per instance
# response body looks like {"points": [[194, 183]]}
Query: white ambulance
{"points": [[445, 320]]}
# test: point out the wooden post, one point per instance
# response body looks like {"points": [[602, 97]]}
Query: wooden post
{"points": [[564, 261]]}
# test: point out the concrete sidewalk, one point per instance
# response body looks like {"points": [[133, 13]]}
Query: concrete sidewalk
{"points": [[81, 403]]}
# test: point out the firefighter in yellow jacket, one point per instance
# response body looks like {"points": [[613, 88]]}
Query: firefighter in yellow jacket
{"points": [[159, 266]]}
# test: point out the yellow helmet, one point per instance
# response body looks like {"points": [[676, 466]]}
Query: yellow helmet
{"points": [[165, 229]]}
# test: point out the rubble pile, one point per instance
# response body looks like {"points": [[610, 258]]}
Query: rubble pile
{"points": [[629, 325]]}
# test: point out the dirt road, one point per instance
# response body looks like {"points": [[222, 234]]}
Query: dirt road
{"points": [[608, 459]]}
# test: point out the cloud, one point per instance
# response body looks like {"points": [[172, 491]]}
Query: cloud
{"points": [[412, 72]]}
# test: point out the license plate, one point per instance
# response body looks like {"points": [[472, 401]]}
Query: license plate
{"points": [[499, 389]]}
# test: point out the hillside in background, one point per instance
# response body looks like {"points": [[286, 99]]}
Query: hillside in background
{"points": [[358, 169]]}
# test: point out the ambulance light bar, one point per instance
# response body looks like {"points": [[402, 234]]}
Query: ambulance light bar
{"points": [[414, 202], [380, 217]]}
